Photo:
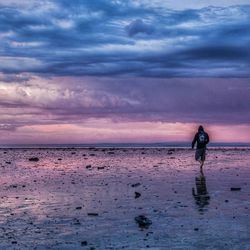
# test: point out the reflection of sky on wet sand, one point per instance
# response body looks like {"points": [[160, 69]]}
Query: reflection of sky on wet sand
{"points": [[39, 200], [200, 193]]}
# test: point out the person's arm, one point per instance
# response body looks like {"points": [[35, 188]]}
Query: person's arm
{"points": [[207, 139], [193, 192], [194, 140]]}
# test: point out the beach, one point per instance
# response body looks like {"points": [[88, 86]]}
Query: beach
{"points": [[74, 198]]}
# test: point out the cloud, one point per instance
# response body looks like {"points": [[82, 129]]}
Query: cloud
{"points": [[192, 4], [8, 127], [116, 38], [51, 109], [138, 26], [17, 78], [51, 101]]}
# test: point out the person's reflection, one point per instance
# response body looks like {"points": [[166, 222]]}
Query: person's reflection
{"points": [[201, 195]]}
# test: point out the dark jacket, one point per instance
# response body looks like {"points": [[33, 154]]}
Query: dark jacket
{"points": [[196, 140]]}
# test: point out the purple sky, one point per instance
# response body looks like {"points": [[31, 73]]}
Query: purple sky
{"points": [[123, 71]]}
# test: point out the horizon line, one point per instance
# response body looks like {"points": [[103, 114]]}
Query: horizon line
{"points": [[120, 145]]}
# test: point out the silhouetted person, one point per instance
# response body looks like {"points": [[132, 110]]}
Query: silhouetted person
{"points": [[201, 195], [201, 139]]}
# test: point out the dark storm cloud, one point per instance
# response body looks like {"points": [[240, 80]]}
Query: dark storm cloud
{"points": [[20, 78], [114, 38], [214, 100], [211, 100], [13, 19], [217, 52], [138, 26]]}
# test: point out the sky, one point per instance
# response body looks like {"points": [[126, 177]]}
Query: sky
{"points": [[124, 71]]}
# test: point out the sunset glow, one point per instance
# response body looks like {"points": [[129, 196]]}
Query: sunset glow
{"points": [[114, 71]]}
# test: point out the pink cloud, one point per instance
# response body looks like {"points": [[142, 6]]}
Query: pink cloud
{"points": [[89, 110], [106, 130]]}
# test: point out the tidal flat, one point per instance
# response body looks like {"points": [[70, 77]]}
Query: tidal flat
{"points": [[89, 199]]}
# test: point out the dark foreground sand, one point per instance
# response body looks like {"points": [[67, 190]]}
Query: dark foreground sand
{"points": [[46, 204]]}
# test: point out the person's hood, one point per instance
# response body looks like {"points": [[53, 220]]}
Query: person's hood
{"points": [[200, 129]]}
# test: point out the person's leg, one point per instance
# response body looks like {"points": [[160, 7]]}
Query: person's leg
{"points": [[203, 157], [202, 163], [201, 171], [197, 155]]}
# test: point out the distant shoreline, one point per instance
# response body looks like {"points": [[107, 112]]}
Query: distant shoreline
{"points": [[120, 146]]}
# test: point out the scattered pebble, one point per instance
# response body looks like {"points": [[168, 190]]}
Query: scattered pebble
{"points": [[84, 243], [235, 188], [93, 214], [34, 159], [137, 195], [136, 184], [143, 221]]}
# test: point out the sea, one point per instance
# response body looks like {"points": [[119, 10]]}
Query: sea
{"points": [[122, 145]]}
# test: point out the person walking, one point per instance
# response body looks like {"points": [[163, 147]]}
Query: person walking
{"points": [[201, 139]]}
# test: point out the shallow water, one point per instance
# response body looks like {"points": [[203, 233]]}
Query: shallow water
{"points": [[45, 204]]}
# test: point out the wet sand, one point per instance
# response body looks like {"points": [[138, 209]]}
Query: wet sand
{"points": [[85, 199]]}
